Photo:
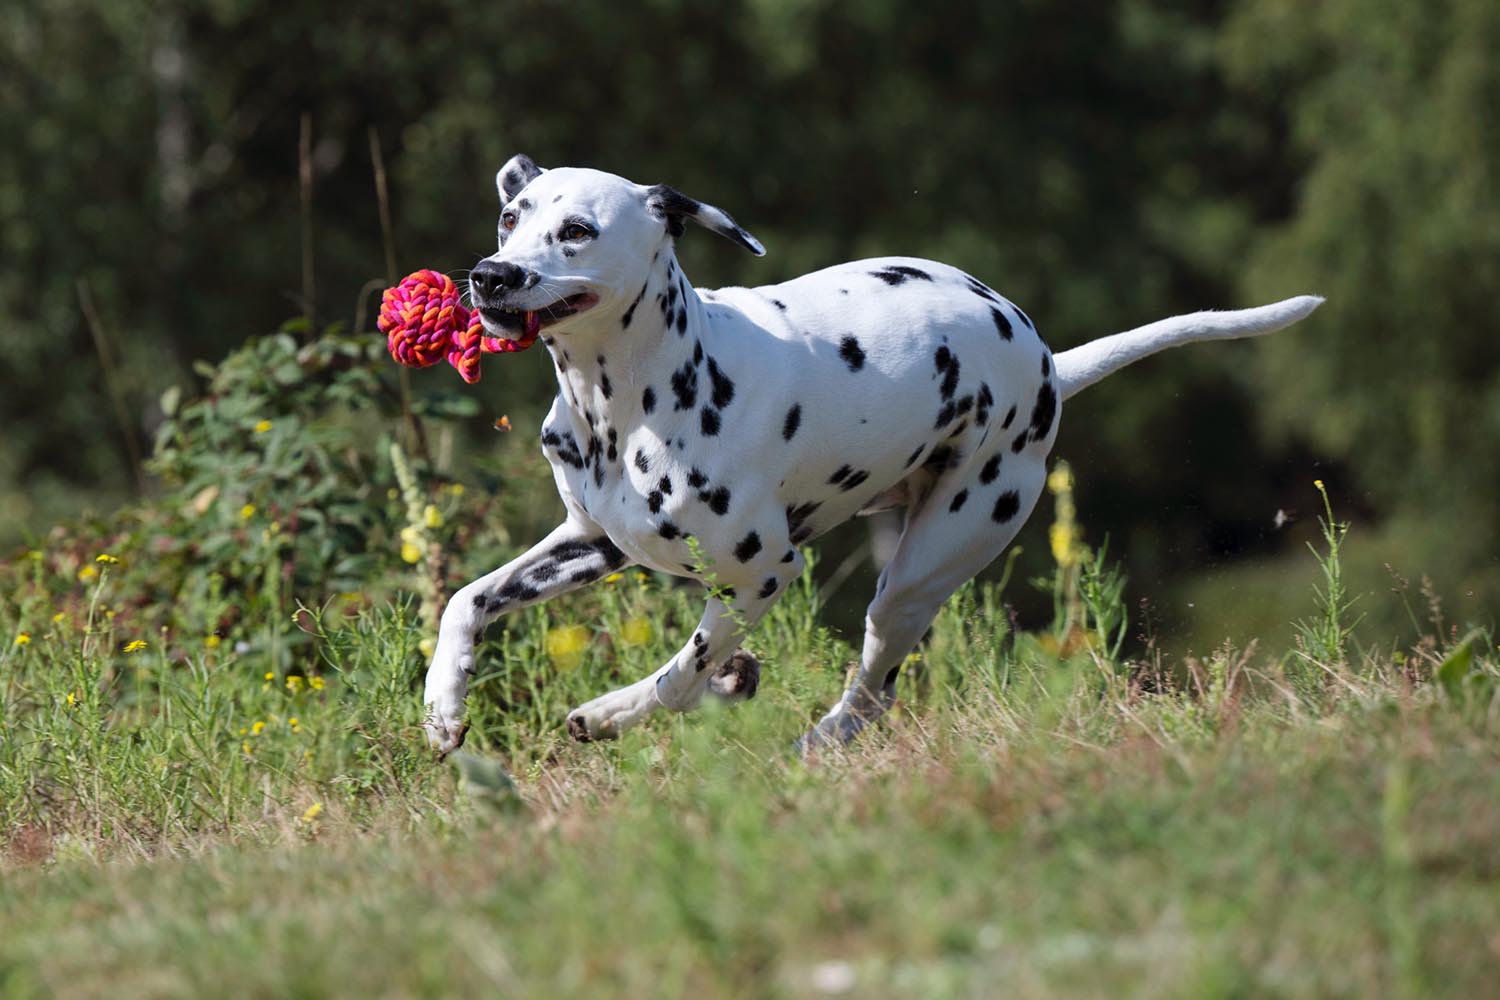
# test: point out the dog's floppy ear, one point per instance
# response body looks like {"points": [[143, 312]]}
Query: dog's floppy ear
{"points": [[518, 172], [673, 206]]}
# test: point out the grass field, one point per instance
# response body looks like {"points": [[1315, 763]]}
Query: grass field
{"points": [[208, 787]]}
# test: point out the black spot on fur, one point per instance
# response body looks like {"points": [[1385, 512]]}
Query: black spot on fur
{"points": [[1019, 443], [965, 405], [986, 399], [544, 572], [569, 252], [604, 384], [480, 601], [723, 386], [768, 588], [648, 399], [1046, 365], [708, 421], [980, 289], [779, 304], [839, 475], [790, 555], [667, 530], [1010, 418], [852, 353], [912, 458], [1043, 413], [614, 451], [990, 471], [515, 590], [681, 322], [685, 386], [1001, 323], [718, 501], [796, 521], [653, 501], [854, 480], [898, 273], [665, 485], [696, 479], [697, 352], [792, 422], [613, 557], [547, 239], [958, 501], [748, 547], [945, 416], [641, 461], [1007, 506]]}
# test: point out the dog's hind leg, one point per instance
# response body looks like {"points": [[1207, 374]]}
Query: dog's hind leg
{"points": [[967, 520], [575, 553], [681, 682]]}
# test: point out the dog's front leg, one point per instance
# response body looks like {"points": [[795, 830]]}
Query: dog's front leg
{"points": [[575, 553], [680, 683]]}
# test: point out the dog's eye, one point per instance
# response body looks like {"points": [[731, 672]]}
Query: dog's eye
{"points": [[576, 231], [508, 220]]}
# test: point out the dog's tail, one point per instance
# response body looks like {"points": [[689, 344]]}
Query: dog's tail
{"points": [[1082, 366]]}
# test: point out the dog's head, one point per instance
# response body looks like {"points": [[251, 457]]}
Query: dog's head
{"points": [[573, 240]]}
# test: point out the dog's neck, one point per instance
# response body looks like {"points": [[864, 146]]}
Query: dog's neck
{"points": [[604, 367]]}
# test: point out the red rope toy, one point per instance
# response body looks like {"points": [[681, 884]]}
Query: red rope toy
{"points": [[424, 322]]}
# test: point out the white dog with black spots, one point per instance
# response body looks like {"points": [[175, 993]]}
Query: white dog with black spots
{"points": [[709, 434]]}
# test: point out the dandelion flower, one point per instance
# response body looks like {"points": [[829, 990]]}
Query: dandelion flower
{"points": [[72, 699], [565, 646], [411, 552], [432, 517], [257, 727], [262, 426], [247, 512], [316, 683], [135, 645], [23, 638], [636, 632], [614, 578], [294, 683], [57, 618], [211, 641], [86, 574], [311, 812], [246, 747], [105, 559]]}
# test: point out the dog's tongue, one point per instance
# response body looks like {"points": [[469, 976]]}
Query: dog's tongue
{"points": [[533, 325]]}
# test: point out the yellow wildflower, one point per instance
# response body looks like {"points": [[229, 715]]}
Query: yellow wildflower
{"points": [[270, 675], [135, 645], [247, 512], [257, 728], [457, 489], [57, 618], [86, 574], [246, 747], [294, 725], [1318, 483], [23, 638], [211, 641], [1064, 539], [1060, 480], [316, 683], [312, 811], [262, 426], [432, 517], [427, 646], [105, 559], [565, 646], [614, 578], [411, 552], [294, 683], [642, 577], [636, 632]]}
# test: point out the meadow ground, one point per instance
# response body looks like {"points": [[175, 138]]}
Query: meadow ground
{"points": [[207, 787]]}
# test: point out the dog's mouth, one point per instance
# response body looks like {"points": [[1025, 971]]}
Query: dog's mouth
{"points": [[525, 324]]}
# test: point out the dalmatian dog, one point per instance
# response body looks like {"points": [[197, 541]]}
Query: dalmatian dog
{"points": [[709, 434]]}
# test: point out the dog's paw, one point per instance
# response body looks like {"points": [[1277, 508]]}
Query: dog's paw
{"points": [[608, 716], [444, 699], [737, 678]]}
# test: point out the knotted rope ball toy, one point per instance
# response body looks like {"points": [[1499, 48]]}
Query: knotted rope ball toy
{"points": [[424, 322]]}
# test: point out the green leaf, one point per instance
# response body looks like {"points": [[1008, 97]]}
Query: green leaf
{"points": [[1455, 667]]}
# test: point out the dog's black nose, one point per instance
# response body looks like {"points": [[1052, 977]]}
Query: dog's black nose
{"points": [[492, 277]]}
